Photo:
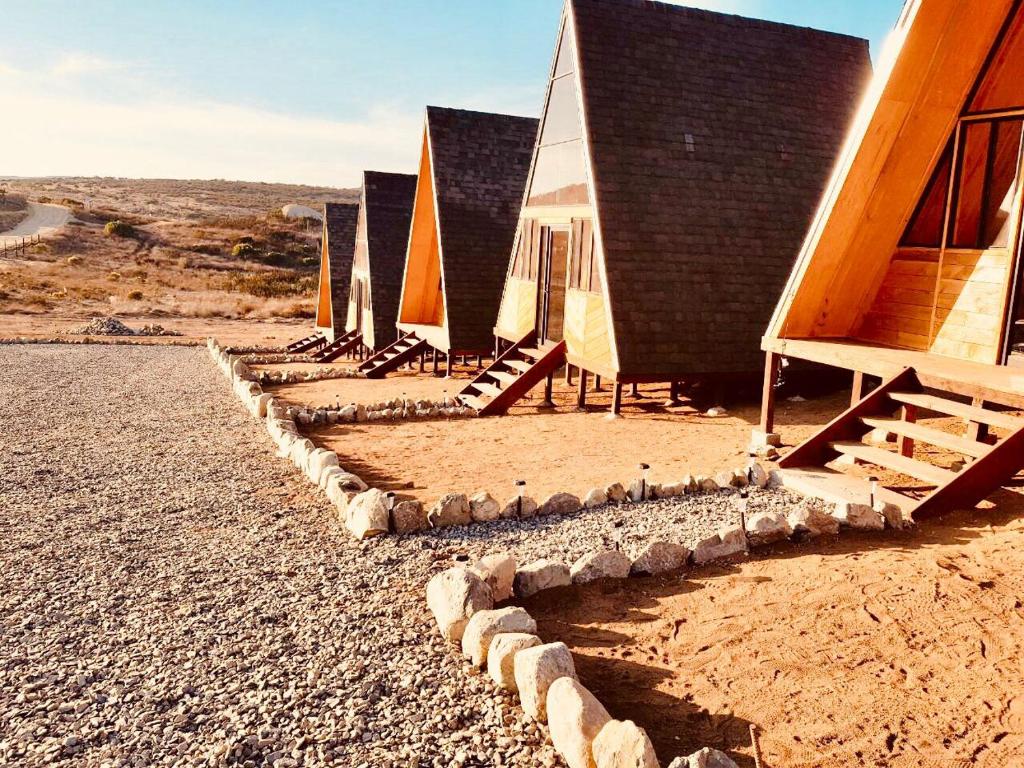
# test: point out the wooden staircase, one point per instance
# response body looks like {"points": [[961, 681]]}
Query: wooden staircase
{"points": [[393, 357], [989, 461], [516, 371], [338, 347], [315, 341]]}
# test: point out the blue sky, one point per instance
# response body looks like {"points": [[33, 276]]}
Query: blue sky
{"points": [[309, 91]]}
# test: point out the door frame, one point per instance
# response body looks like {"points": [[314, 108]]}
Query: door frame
{"points": [[544, 275]]}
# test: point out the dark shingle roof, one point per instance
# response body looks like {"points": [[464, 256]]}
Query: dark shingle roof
{"points": [[480, 164], [712, 138], [388, 198], [340, 221]]}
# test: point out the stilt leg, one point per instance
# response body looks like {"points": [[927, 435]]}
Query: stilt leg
{"points": [[549, 388], [976, 431], [597, 383], [568, 375], [772, 365], [859, 386], [906, 444], [433, 359], [617, 399], [634, 390], [581, 392]]}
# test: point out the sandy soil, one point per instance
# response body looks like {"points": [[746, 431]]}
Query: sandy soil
{"points": [[888, 651], [560, 450], [194, 329], [43, 219]]}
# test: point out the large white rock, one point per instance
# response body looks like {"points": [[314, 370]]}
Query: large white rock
{"points": [[299, 452], [367, 514], [575, 717], [484, 508], [809, 518], [610, 564], [452, 509], [623, 744], [328, 475], [758, 475], [519, 509], [660, 557], [597, 497], [350, 482], [453, 596], [408, 517], [320, 460], [727, 542], [502, 654], [499, 571], [859, 516], [641, 490], [484, 625], [616, 493], [262, 403], [536, 669], [560, 504], [540, 575], [767, 528]]}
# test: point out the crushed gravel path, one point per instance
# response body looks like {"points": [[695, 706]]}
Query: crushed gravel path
{"points": [[174, 594]]}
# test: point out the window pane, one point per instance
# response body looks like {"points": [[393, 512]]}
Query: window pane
{"points": [[562, 118], [1003, 86], [560, 176], [1001, 188], [564, 64], [973, 163]]}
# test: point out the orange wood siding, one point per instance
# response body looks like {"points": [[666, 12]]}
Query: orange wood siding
{"points": [[958, 313], [323, 299], [423, 296]]}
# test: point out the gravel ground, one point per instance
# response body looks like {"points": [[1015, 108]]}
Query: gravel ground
{"points": [[173, 594]]}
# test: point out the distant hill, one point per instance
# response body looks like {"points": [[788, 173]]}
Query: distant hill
{"points": [[183, 200]]}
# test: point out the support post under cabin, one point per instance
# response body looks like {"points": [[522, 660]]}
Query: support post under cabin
{"points": [[772, 366], [617, 398], [859, 385], [581, 393]]}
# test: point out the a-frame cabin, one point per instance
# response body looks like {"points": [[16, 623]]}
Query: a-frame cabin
{"points": [[681, 156], [911, 270], [472, 174], [337, 244], [382, 234]]}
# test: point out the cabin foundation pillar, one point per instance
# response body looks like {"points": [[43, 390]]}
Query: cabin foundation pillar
{"points": [[976, 431], [617, 399], [634, 390], [597, 383], [581, 392], [772, 367], [433, 359], [549, 389], [673, 395], [859, 388], [906, 444], [568, 375]]}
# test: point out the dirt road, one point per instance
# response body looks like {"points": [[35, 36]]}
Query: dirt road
{"points": [[43, 219]]}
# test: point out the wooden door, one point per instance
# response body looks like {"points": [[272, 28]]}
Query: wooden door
{"points": [[360, 301], [554, 256]]}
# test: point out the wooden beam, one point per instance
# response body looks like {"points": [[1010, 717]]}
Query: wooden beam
{"points": [[581, 392], [976, 430], [908, 413], [772, 366], [617, 398], [857, 393]]}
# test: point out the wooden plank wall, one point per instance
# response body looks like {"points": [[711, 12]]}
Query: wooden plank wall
{"points": [[957, 314], [586, 328], [518, 314]]}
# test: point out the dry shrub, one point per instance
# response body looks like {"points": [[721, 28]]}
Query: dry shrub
{"points": [[114, 277], [74, 261], [298, 310], [269, 285], [135, 295]]}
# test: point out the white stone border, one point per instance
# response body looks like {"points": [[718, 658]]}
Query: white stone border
{"points": [[505, 640]]}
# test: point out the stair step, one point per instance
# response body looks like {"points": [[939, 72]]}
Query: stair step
{"points": [[488, 389], [838, 488], [520, 365], [923, 471], [504, 377], [532, 353], [960, 410], [934, 437], [473, 401]]}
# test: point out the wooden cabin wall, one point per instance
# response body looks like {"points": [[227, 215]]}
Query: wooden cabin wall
{"points": [[899, 135], [423, 296], [323, 300], [586, 331], [518, 314], [957, 314]]}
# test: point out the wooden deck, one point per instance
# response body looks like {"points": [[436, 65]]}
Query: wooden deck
{"points": [[992, 383]]}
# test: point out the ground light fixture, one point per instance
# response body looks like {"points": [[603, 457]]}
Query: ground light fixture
{"points": [[645, 470], [874, 489], [520, 491], [390, 496]]}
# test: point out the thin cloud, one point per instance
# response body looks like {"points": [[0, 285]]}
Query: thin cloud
{"points": [[73, 64]]}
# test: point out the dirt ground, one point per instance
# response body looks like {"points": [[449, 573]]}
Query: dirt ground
{"points": [[193, 329], [553, 450], [895, 650]]}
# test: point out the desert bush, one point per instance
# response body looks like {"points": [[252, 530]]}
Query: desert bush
{"points": [[246, 240], [114, 277], [118, 228], [184, 262], [298, 311], [268, 285], [243, 251], [44, 199], [135, 295]]}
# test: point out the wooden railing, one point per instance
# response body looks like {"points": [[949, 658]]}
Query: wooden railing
{"points": [[11, 247]]}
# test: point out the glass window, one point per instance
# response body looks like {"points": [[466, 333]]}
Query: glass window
{"points": [[564, 63], [925, 228], [559, 176], [562, 117], [986, 184], [1003, 87]]}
